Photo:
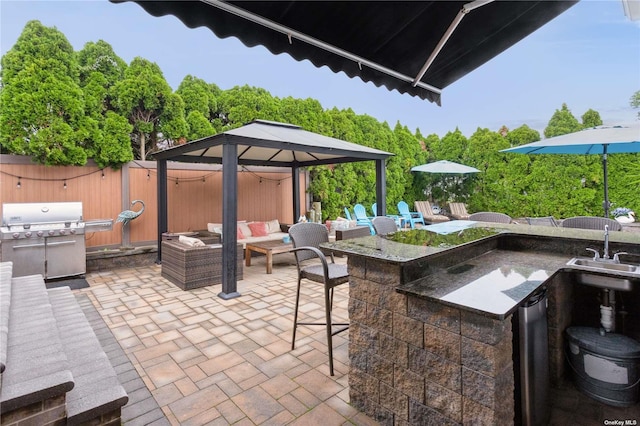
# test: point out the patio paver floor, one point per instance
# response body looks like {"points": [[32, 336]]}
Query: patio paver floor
{"points": [[192, 358]]}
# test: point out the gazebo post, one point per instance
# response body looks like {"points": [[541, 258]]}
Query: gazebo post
{"points": [[295, 180], [381, 188], [163, 223], [229, 220]]}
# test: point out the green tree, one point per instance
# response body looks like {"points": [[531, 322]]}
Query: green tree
{"points": [[199, 126], [142, 97], [41, 104], [241, 105], [100, 70], [199, 96], [561, 123], [99, 57], [591, 118], [113, 147], [635, 101], [492, 190], [172, 126]]}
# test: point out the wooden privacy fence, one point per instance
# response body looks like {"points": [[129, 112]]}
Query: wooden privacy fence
{"points": [[194, 194]]}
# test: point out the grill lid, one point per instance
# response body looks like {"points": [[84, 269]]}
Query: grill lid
{"points": [[21, 214]]}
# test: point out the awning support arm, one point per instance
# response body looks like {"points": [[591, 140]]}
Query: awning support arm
{"points": [[447, 35]]}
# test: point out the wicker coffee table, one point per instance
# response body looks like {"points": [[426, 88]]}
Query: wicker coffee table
{"points": [[268, 248]]}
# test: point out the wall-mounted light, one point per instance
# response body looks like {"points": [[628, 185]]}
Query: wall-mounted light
{"points": [[102, 173], [64, 186], [176, 181], [260, 180], [148, 174], [203, 180], [19, 185]]}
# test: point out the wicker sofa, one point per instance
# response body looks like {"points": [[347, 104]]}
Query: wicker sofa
{"points": [[193, 267], [274, 231]]}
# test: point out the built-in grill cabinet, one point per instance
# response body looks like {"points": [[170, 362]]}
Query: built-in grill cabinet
{"points": [[44, 238]]}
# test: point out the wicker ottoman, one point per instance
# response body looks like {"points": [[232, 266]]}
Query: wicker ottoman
{"points": [[194, 267]]}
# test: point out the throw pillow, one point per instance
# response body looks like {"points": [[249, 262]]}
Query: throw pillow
{"points": [[246, 231], [190, 241], [273, 226], [258, 229], [239, 234]]}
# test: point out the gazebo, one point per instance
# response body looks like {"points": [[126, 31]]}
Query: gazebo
{"points": [[260, 143]]}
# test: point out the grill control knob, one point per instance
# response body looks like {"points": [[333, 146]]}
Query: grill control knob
{"points": [[27, 234], [62, 232], [16, 235], [39, 233], [51, 232]]}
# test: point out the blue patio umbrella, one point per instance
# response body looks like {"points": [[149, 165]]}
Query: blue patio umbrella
{"points": [[602, 140]]}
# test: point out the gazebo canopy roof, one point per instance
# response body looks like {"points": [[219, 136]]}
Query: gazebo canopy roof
{"points": [[268, 143]]}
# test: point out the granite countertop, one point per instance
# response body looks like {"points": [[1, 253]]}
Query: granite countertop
{"points": [[492, 276], [494, 283]]}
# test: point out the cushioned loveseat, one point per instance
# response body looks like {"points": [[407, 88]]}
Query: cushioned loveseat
{"points": [[256, 231]]}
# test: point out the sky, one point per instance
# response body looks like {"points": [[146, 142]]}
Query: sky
{"points": [[588, 57]]}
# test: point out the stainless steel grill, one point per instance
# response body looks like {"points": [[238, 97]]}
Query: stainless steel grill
{"points": [[44, 238]]}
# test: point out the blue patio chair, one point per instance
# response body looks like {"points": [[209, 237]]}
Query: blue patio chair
{"points": [[395, 217], [408, 216], [361, 217], [347, 214]]}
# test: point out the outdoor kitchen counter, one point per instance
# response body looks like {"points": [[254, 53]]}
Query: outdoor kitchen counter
{"points": [[493, 284], [430, 332], [491, 276]]}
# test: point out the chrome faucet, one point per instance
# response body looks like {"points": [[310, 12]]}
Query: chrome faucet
{"points": [[605, 255], [616, 259]]}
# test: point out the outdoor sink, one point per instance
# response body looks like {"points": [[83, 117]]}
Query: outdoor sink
{"points": [[605, 273]]}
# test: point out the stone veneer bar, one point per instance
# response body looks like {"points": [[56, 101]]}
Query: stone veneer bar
{"points": [[417, 361], [416, 358]]}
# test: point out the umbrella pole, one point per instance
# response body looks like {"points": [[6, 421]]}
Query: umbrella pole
{"points": [[605, 204]]}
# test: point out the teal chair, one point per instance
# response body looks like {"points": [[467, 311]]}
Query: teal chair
{"points": [[347, 214], [361, 217], [408, 216], [395, 217]]}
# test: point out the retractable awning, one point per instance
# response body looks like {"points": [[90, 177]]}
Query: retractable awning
{"points": [[414, 47]]}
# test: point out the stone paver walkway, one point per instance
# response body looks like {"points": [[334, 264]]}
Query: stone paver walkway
{"points": [[209, 361]]}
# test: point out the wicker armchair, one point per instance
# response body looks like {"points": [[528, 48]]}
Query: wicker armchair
{"points": [[490, 217], [193, 267], [591, 222], [314, 266], [384, 225]]}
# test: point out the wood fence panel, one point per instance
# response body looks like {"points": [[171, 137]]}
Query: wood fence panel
{"points": [[195, 201]]}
